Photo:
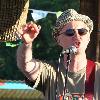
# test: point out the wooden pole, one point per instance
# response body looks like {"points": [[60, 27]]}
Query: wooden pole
{"points": [[98, 34], [91, 8]]}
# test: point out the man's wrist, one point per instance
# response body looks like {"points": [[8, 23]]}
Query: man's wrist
{"points": [[27, 44]]}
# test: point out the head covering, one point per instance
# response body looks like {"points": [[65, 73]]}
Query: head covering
{"points": [[13, 14], [68, 16]]}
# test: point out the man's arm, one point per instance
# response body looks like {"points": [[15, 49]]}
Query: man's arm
{"points": [[29, 66], [36, 71], [32, 68]]}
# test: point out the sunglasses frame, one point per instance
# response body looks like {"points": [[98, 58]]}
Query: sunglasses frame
{"points": [[71, 32]]}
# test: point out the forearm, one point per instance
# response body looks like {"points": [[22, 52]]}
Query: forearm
{"points": [[25, 63], [24, 54]]}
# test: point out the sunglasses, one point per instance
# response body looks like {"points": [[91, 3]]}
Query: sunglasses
{"points": [[71, 32]]}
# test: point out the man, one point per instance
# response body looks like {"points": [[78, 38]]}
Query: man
{"points": [[76, 78]]}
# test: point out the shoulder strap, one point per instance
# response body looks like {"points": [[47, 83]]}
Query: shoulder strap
{"points": [[90, 78]]}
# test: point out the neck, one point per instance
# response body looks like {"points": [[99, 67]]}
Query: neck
{"points": [[78, 62]]}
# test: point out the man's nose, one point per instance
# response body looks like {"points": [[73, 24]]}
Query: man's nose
{"points": [[77, 35]]}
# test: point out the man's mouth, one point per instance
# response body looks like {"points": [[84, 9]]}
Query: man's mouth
{"points": [[77, 44]]}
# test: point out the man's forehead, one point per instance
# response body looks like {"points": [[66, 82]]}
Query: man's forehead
{"points": [[75, 25]]}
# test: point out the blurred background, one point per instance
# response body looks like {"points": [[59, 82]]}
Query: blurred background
{"points": [[44, 47]]}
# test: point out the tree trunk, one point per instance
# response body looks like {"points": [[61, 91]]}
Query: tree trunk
{"points": [[98, 34]]}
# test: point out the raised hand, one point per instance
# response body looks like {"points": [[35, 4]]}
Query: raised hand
{"points": [[30, 32]]}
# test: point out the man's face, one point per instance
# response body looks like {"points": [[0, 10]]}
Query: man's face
{"points": [[75, 33]]}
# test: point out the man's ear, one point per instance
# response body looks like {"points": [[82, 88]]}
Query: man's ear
{"points": [[88, 40], [58, 41]]}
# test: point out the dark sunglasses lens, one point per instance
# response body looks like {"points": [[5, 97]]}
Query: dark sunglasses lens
{"points": [[82, 31], [69, 32]]}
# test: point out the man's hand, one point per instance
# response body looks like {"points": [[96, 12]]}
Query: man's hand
{"points": [[30, 32]]}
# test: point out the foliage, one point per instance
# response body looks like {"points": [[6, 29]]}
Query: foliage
{"points": [[44, 46]]}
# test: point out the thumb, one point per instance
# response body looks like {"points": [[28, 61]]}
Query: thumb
{"points": [[39, 27]]}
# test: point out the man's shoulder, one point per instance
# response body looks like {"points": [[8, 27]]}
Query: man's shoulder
{"points": [[97, 67], [97, 63], [94, 62]]}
